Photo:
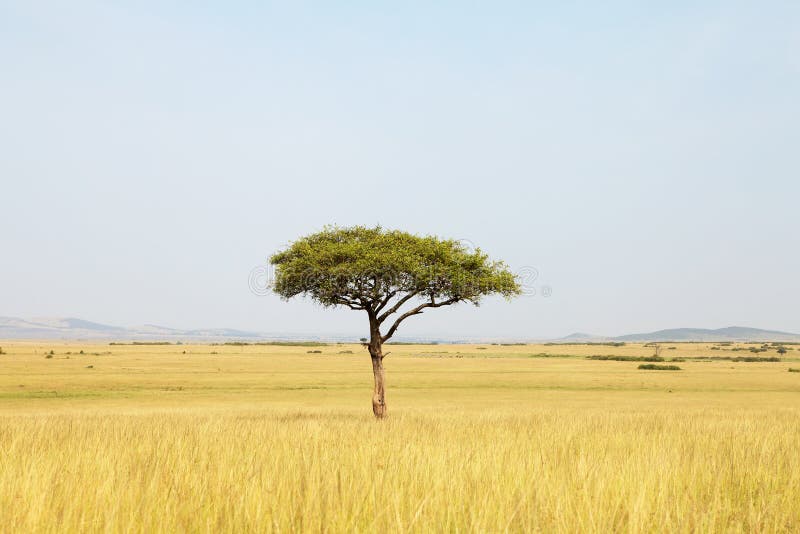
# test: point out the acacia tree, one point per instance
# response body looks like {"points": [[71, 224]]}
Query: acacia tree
{"points": [[390, 275]]}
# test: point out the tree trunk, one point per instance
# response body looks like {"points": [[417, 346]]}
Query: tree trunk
{"points": [[379, 395]]}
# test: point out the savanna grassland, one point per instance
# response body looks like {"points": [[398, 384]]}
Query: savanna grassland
{"points": [[479, 438]]}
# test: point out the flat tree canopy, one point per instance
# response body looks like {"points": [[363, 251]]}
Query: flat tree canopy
{"points": [[389, 274]]}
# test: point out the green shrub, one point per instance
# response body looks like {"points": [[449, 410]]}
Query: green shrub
{"points": [[655, 367], [794, 370], [49, 356], [142, 343], [627, 358], [275, 343]]}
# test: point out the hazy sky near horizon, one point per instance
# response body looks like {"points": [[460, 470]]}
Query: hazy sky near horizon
{"points": [[645, 159]]}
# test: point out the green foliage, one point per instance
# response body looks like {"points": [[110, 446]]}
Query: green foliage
{"points": [[379, 271], [794, 370], [734, 359], [143, 343], [273, 343], [656, 367], [359, 266], [585, 343], [627, 358], [407, 342]]}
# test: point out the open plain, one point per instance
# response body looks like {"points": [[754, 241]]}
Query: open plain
{"points": [[479, 438]]}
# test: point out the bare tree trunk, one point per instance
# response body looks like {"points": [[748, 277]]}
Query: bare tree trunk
{"points": [[375, 347], [379, 395]]}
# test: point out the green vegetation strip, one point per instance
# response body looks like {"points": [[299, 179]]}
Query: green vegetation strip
{"points": [[627, 358], [656, 367]]}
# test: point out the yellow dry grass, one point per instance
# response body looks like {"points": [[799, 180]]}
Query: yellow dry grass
{"points": [[491, 439]]}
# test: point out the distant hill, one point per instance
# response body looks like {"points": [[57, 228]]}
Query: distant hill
{"points": [[731, 333], [580, 337], [67, 328], [71, 328]]}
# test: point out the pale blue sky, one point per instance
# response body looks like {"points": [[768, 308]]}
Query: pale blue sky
{"points": [[644, 159]]}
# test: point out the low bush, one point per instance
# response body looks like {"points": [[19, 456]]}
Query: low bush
{"points": [[313, 352], [794, 370], [655, 367], [735, 358], [270, 343], [627, 358], [142, 343]]}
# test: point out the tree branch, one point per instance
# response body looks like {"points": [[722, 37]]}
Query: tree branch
{"points": [[385, 315], [353, 305], [417, 311], [385, 301]]}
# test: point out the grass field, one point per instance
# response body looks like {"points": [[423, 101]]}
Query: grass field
{"points": [[479, 439]]}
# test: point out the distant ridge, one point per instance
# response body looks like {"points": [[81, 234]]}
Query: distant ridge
{"points": [[731, 333], [70, 328], [580, 337]]}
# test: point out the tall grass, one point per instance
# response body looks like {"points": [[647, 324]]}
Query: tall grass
{"points": [[153, 440], [328, 471]]}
